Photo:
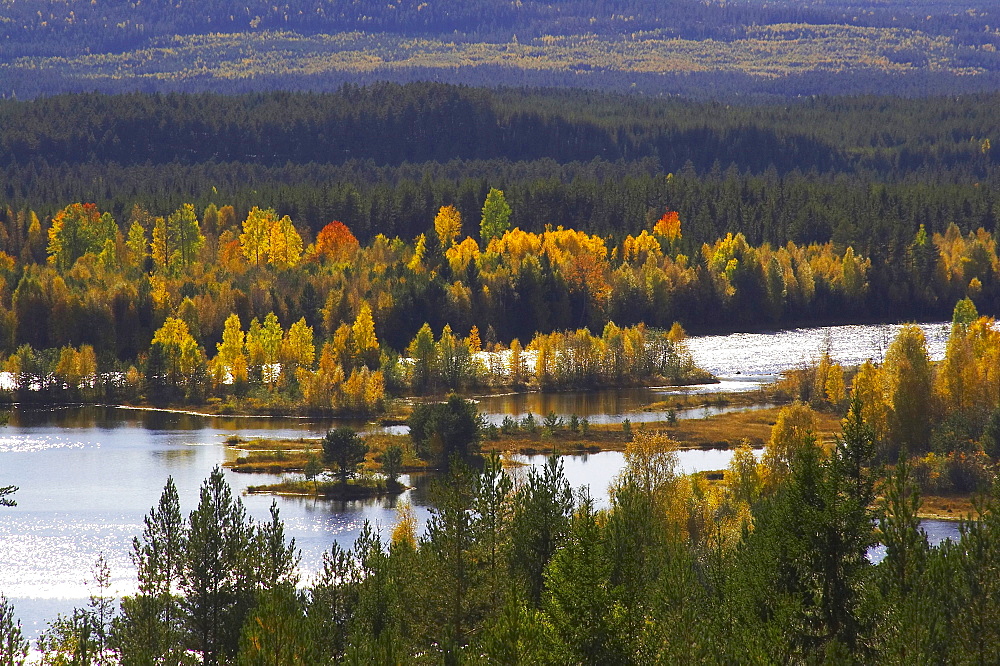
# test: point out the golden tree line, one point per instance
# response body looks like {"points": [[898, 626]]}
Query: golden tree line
{"points": [[944, 414], [114, 290]]}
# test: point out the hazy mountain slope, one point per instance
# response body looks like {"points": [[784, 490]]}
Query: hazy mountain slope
{"points": [[679, 46]]}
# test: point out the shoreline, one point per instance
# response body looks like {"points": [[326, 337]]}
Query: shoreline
{"points": [[335, 491], [406, 400]]}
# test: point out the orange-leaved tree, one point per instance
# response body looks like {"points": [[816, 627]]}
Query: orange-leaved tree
{"points": [[334, 242]]}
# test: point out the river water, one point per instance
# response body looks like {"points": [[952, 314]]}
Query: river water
{"points": [[89, 475]]}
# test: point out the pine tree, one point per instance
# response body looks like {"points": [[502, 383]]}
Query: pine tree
{"points": [[216, 581], [13, 645], [278, 559], [151, 621], [579, 597], [544, 506], [344, 449], [452, 608]]}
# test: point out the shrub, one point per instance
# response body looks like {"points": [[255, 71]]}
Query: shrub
{"points": [[443, 430], [344, 449], [968, 472], [574, 423]]}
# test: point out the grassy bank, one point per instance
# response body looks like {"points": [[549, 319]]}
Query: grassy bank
{"points": [[279, 456], [275, 456], [366, 487], [719, 431]]}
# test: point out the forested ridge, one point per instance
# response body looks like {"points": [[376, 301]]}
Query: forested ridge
{"points": [[64, 27], [332, 234], [404, 149], [703, 49]]}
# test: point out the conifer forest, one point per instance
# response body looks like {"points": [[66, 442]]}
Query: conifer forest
{"points": [[375, 217]]}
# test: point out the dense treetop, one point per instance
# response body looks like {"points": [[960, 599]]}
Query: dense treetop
{"points": [[385, 158], [204, 241]]}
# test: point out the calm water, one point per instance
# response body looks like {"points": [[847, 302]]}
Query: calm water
{"points": [[88, 476], [607, 406]]}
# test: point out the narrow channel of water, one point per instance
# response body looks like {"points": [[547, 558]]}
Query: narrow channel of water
{"points": [[609, 406]]}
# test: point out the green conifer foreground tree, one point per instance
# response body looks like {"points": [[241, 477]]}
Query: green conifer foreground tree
{"points": [[13, 644], [540, 524], [217, 581], [582, 603]]}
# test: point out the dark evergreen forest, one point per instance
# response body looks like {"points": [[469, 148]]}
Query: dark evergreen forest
{"points": [[863, 171]]}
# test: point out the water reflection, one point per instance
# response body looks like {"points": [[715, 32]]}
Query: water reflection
{"points": [[173, 456], [88, 475], [607, 403], [102, 418], [599, 407]]}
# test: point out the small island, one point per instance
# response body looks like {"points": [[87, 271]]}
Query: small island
{"points": [[341, 470]]}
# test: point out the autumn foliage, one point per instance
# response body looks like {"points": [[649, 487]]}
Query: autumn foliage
{"points": [[558, 308], [334, 242]]}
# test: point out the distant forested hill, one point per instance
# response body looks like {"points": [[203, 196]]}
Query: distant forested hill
{"points": [[824, 208], [675, 46], [863, 171]]}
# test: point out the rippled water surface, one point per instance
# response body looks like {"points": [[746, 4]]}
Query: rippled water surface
{"points": [[752, 356], [741, 361], [88, 476]]}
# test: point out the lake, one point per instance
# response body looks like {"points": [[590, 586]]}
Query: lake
{"points": [[743, 362], [751, 358], [88, 475]]}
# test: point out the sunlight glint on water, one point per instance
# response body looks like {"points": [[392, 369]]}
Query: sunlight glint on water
{"points": [[88, 476]]}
